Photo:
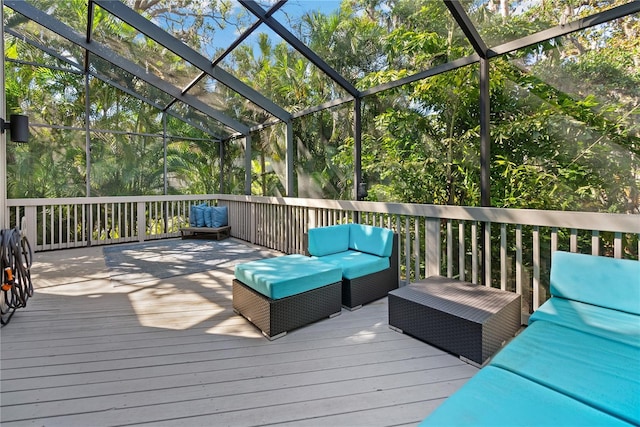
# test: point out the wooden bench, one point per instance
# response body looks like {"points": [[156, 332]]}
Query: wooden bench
{"points": [[217, 233]]}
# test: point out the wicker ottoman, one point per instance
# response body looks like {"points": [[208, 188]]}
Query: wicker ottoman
{"points": [[470, 321], [284, 293]]}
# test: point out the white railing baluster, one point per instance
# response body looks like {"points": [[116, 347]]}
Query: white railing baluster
{"points": [[449, 248], [617, 245], [503, 256], [574, 240], [461, 250], [554, 239], [426, 247], [474, 252], [407, 247], [536, 267], [519, 269], [59, 243], [595, 242], [68, 226], [486, 250], [416, 247], [52, 242]]}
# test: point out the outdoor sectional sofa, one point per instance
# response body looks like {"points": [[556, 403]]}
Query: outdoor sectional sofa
{"points": [[577, 363], [367, 255], [351, 265]]}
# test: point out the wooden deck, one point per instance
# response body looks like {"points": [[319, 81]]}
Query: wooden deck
{"points": [[90, 350]]}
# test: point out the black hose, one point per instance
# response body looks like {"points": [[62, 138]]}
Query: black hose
{"points": [[15, 267]]}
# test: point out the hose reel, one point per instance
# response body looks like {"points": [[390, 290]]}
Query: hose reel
{"points": [[15, 267]]}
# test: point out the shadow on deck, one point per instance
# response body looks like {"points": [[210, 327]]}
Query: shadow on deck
{"points": [[145, 333]]}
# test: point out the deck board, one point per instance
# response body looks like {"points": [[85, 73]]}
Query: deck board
{"points": [[90, 350]]}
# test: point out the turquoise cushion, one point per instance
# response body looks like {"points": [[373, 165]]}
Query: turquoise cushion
{"points": [[373, 240], [192, 216], [495, 397], [607, 282], [612, 324], [601, 373], [356, 264], [220, 216], [328, 240], [208, 217], [287, 275], [199, 210]]}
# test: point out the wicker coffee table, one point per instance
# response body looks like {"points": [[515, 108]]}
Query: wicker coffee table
{"points": [[470, 321]]}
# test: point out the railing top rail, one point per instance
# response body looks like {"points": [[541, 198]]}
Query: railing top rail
{"points": [[625, 223], [108, 199]]}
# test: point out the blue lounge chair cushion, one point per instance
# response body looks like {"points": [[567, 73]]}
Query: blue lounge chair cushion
{"points": [[611, 324], [495, 397], [601, 373], [287, 275], [328, 240], [373, 240], [220, 217], [607, 282], [356, 264]]}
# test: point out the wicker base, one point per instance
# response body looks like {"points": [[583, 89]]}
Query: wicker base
{"points": [[276, 317], [365, 289], [470, 321]]}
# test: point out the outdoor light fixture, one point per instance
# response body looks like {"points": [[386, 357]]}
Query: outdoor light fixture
{"points": [[18, 126]]}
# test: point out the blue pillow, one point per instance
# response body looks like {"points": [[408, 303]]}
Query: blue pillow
{"points": [[208, 216], [192, 216], [220, 216], [200, 215]]}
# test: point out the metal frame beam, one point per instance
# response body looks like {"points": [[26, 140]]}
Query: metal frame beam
{"points": [[45, 49], [467, 27], [485, 135], [160, 36], [279, 29], [439, 69], [152, 103], [77, 69], [107, 54], [562, 30], [235, 44]]}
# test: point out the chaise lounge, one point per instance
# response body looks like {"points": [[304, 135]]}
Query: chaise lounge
{"points": [[577, 363]]}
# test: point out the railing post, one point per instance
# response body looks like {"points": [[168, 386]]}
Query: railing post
{"points": [[142, 222], [252, 223], [30, 228], [432, 248]]}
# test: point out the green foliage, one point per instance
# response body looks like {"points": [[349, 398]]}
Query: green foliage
{"points": [[564, 114]]}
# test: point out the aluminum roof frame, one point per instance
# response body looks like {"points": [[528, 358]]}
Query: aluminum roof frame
{"points": [[482, 55], [293, 41], [123, 12], [108, 55], [77, 69], [233, 45], [160, 36]]}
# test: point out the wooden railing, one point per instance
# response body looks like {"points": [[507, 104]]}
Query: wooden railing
{"points": [[505, 248]]}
